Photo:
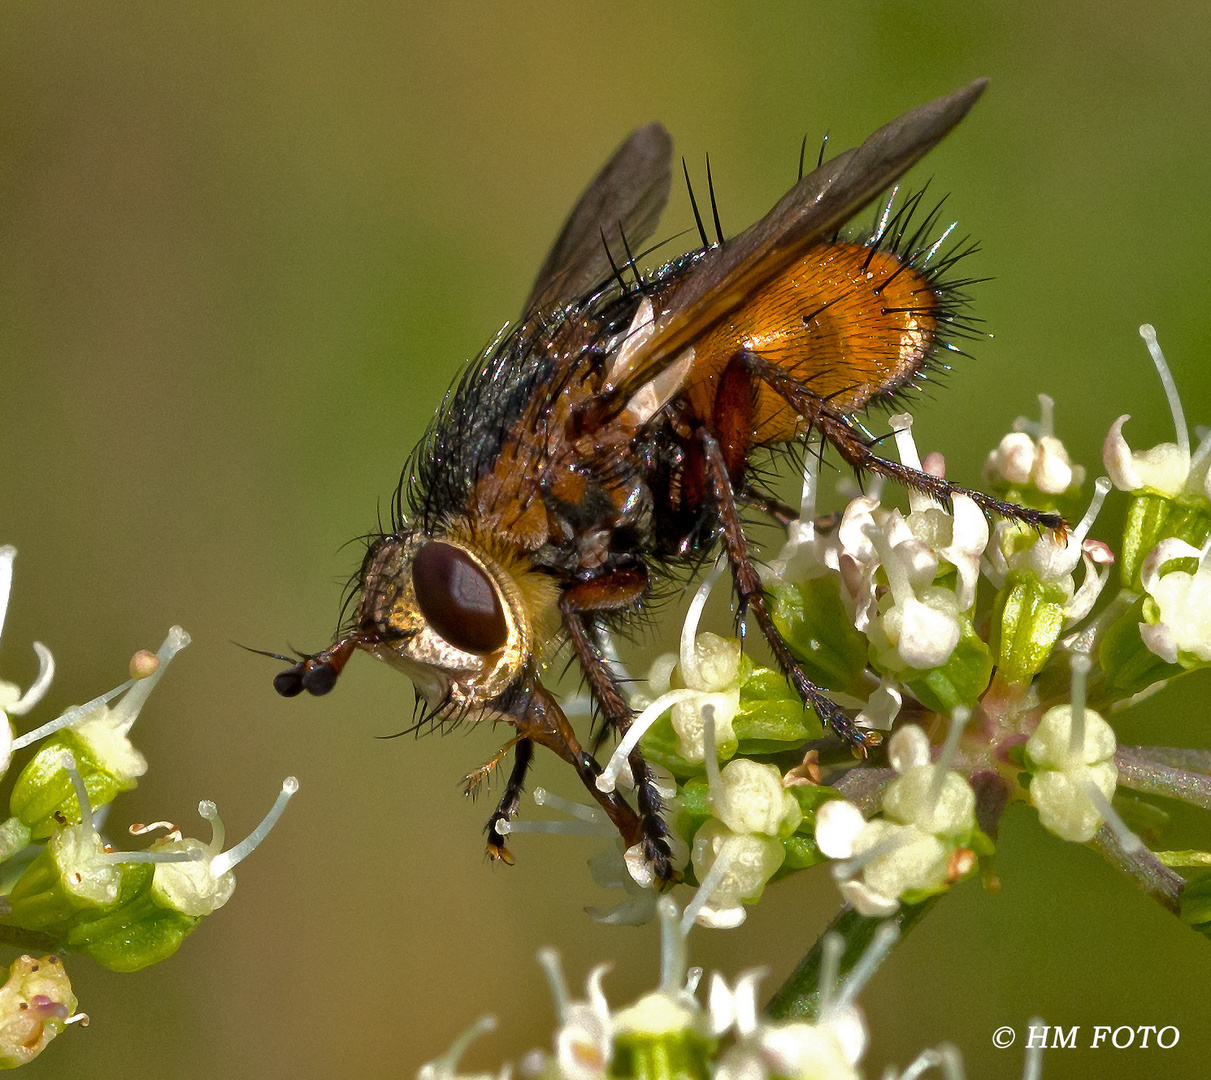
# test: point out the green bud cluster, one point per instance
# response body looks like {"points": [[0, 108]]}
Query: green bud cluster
{"points": [[65, 888]]}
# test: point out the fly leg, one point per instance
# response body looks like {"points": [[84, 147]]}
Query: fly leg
{"points": [[507, 808], [536, 715], [620, 589], [751, 596], [856, 452]]}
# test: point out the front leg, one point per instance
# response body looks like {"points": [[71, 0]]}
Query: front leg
{"points": [[601, 594], [507, 808], [536, 715]]}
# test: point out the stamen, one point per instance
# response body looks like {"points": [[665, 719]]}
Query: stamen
{"points": [[881, 944], [77, 781], [711, 880], [1128, 841], [945, 1056], [447, 1064], [1044, 426], [832, 948], [7, 554], [153, 856], [1100, 487], [543, 797], [673, 951], [811, 485], [689, 629], [906, 447], [220, 864], [1032, 1059], [897, 574], [72, 716], [1080, 665], [128, 708], [958, 721], [218, 831], [608, 780], [1148, 333], [1203, 449], [849, 868], [548, 960], [46, 672], [587, 820], [714, 779]]}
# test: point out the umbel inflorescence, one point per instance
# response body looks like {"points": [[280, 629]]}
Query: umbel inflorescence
{"points": [[992, 657], [66, 890]]}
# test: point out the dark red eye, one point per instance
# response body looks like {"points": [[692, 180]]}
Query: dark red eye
{"points": [[458, 599]]}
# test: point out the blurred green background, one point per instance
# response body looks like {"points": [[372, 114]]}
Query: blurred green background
{"points": [[243, 250]]}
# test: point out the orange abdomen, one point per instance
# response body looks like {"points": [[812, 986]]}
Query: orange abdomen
{"points": [[847, 321]]}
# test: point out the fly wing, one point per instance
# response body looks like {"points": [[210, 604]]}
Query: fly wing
{"points": [[625, 199], [811, 211]]}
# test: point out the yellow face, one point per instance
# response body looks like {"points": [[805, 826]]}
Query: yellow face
{"points": [[460, 623]]}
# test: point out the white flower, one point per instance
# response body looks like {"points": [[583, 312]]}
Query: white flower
{"points": [[710, 672], [1072, 752], [929, 812], [828, 1049], [1031, 454], [1182, 603], [1051, 559], [911, 621], [731, 868], [202, 879], [710, 669], [1168, 469], [752, 799], [446, 1066]]}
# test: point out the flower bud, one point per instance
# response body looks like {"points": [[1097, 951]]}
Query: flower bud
{"points": [[97, 738], [36, 1003]]}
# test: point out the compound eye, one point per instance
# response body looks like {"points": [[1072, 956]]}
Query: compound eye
{"points": [[458, 600]]}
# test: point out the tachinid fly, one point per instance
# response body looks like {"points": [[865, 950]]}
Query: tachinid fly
{"points": [[607, 438]]}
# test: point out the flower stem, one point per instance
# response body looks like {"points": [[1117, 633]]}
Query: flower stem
{"points": [[799, 997]]}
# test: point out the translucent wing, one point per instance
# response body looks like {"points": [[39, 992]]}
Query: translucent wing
{"points": [[625, 199], [811, 211]]}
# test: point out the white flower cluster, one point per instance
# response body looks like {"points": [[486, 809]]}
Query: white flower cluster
{"points": [[670, 1030], [918, 846]]}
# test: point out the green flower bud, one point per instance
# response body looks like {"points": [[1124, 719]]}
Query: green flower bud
{"points": [[1027, 618], [73, 874], [97, 738], [135, 933], [812, 619], [654, 1042]]}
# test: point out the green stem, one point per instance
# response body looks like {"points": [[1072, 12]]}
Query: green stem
{"points": [[799, 997], [29, 941]]}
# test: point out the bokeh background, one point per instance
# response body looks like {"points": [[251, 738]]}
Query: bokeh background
{"points": [[244, 248]]}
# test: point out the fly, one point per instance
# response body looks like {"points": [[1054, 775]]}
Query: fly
{"points": [[607, 439]]}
